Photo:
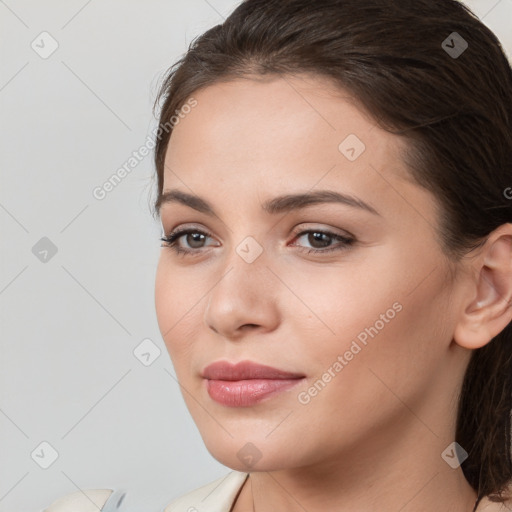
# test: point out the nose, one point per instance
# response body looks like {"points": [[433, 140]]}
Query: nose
{"points": [[243, 299]]}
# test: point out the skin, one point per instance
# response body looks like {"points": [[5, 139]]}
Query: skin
{"points": [[372, 438]]}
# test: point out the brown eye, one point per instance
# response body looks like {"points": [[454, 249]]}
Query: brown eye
{"points": [[194, 238], [321, 239]]}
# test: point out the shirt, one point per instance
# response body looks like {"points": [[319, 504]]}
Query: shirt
{"points": [[216, 496]]}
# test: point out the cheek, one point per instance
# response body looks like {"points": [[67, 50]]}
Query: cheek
{"points": [[381, 318], [336, 304], [175, 310], [361, 385], [164, 303]]}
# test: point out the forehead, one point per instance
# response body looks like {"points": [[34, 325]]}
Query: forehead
{"points": [[277, 118], [267, 135]]}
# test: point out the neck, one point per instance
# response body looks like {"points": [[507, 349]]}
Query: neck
{"points": [[284, 491], [387, 472]]}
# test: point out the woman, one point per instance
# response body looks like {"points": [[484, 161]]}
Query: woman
{"points": [[335, 282]]}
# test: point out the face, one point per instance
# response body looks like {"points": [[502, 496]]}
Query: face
{"points": [[353, 299]]}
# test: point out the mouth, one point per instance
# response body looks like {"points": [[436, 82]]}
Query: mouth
{"points": [[246, 383]]}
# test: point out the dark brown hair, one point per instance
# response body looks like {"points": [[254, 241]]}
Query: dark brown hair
{"points": [[396, 57]]}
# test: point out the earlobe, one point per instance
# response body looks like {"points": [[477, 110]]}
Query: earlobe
{"points": [[490, 309]]}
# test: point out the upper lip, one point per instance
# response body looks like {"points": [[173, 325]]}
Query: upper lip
{"points": [[223, 370]]}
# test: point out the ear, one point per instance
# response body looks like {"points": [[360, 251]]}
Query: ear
{"points": [[489, 308]]}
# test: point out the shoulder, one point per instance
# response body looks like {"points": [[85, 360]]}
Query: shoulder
{"points": [[486, 505], [81, 501], [218, 495]]}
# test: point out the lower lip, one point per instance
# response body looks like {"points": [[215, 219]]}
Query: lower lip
{"points": [[243, 393]]}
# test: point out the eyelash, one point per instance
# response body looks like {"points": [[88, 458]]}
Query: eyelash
{"points": [[170, 241]]}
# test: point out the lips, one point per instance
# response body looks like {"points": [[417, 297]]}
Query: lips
{"points": [[245, 370], [246, 383]]}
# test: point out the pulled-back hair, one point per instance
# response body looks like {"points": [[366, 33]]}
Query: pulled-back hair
{"points": [[401, 61]]}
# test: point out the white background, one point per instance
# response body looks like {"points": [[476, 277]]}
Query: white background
{"points": [[69, 326]]}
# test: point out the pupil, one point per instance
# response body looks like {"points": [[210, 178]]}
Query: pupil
{"points": [[318, 238], [194, 235]]}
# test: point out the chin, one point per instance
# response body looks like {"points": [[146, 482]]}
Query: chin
{"points": [[247, 456]]}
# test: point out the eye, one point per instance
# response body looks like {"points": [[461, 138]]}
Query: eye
{"points": [[323, 238], [195, 238]]}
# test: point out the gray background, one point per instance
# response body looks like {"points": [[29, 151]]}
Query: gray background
{"points": [[70, 324]]}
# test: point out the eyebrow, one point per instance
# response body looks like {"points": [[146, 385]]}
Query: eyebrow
{"points": [[276, 205]]}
